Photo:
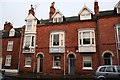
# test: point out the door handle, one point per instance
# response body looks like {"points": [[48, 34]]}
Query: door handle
{"points": [[106, 73]]}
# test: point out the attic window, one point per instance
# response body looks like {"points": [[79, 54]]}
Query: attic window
{"points": [[85, 15], [12, 32], [118, 10], [58, 19]]}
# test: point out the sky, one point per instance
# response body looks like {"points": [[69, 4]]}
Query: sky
{"points": [[15, 11]]}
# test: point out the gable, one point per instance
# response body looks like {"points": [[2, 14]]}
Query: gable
{"points": [[12, 32], [85, 13], [30, 16], [57, 17], [117, 5]]}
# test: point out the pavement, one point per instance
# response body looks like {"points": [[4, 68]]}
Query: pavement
{"points": [[32, 76]]}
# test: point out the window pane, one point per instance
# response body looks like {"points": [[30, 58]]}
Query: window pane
{"points": [[62, 38], [28, 61], [86, 41], [8, 60], [87, 61], [56, 61], [32, 43], [10, 46], [56, 40], [110, 69], [86, 37], [102, 69], [119, 34], [118, 69], [27, 41], [29, 25]]}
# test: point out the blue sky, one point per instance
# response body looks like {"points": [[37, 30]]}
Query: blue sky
{"points": [[15, 11]]}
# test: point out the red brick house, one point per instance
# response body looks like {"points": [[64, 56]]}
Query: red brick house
{"points": [[11, 40], [70, 45]]}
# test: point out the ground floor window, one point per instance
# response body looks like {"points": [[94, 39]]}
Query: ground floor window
{"points": [[8, 60], [87, 62], [28, 61], [56, 61]]}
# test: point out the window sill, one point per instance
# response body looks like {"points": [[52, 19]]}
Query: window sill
{"points": [[7, 65], [56, 67], [87, 68], [27, 66]]}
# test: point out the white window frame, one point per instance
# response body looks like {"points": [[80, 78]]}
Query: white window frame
{"points": [[28, 61], [10, 46], [31, 40], [118, 35], [29, 25], [85, 15], [12, 32], [57, 61], [57, 19], [88, 59], [92, 37], [8, 60], [61, 39]]}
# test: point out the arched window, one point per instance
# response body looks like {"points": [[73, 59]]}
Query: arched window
{"points": [[107, 59], [12, 32]]}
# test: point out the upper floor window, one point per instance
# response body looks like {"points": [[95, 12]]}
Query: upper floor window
{"points": [[29, 25], [29, 41], [12, 32], [118, 35], [57, 39], [8, 60], [86, 37], [10, 46]]}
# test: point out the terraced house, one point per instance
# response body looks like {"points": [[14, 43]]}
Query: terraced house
{"points": [[74, 45]]}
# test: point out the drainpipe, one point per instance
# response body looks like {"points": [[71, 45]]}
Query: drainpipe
{"points": [[64, 63], [20, 49], [98, 40], [116, 45]]}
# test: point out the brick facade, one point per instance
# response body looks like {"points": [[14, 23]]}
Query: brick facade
{"points": [[102, 23]]}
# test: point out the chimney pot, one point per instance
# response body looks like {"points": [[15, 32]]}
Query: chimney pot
{"points": [[96, 7], [52, 10]]}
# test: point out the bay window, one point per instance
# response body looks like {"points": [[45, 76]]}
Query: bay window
{"points": [[57, 42], [86, 40]]}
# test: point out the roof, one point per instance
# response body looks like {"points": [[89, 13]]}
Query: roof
{"points": [[66, 19], [85, 7], [5, 34], [107, 13]]}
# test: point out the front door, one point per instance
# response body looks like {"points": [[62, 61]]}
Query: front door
{"points": [[71, 64], [40, 63]]}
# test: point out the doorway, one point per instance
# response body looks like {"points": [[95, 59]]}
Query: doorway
{"points": [[40, 63], [71, 58]]}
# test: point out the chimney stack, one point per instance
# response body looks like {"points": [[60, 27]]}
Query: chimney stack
{"points": [[52, 10], [31, 11], [96, 7], [7, 26]]}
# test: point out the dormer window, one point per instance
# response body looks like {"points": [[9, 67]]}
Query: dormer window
{"points": [[12, 32], [29, 25], [57, 17], [118, 10], [117, 7], [85, 13]]}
